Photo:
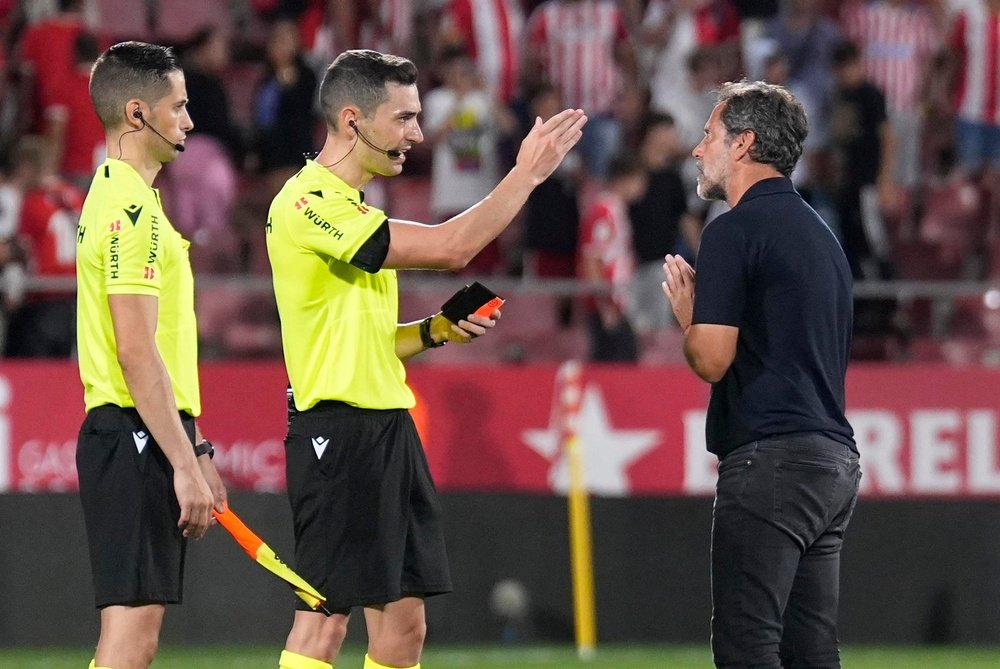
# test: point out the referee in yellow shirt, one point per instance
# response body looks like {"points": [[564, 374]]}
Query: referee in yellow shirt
{"points": [[367, 517], [144, 485]]}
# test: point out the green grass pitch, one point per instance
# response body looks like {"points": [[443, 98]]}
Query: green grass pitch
{"points": [[519, 657]]}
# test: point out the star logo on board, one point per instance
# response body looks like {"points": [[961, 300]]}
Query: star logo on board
{"points": [[319, 445], [133, 212], [141, 439], [607, 452]]}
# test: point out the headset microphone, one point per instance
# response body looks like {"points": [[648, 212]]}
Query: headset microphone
{"points": [[391, 153], [138, 114]]}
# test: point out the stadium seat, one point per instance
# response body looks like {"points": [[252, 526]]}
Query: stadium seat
{"points": [[876, 348], [923, 261], [899, 224], [215, 251], [953, 219], [178, 20], [962, 351], [241, 84], [924, 349], [993, 267], [663, 347], [957, 351], [916, 316], [528, 332], [123, 20], [237, 325], [967, 317], [409, 198]]}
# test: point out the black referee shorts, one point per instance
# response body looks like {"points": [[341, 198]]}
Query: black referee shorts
{"points": [[367, 516], [130, 509]]}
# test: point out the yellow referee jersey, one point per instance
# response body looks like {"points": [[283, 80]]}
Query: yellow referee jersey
{"points": [[126, 246], [338, 322]]}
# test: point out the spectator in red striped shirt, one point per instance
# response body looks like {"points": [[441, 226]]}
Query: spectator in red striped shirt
{"points": [[898, 39], [46, 51], [327, 27], [45, 324], [606, 257], [490, 32], [808, 39], [71, 126], [386, 25], [672, 30], [975, 46], [584, 48]]}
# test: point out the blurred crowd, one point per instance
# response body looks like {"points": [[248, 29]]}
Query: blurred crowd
{"points": [[902, 159]]}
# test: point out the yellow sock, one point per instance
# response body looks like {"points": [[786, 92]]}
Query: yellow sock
{"points": [[372, 664], [93, 665], [290, 660]]}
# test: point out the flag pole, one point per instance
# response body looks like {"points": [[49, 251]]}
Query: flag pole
{"points": [[569, 394]]}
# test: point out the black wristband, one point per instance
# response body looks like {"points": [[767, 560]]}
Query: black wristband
{"points": [[204, 448], [425, 335]]}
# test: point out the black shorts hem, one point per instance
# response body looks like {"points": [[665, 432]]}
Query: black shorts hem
{"points": [[345, 606], [131, 601]]}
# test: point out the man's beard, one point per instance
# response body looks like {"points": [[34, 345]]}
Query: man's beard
{"points": [[713, 191]]}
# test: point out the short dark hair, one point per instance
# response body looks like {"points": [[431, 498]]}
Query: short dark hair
{"points": [[845, 53], [200, 38], [654, 119], [130, 70], [360, 76], [773, 114], [86, 47], [624, 164]]}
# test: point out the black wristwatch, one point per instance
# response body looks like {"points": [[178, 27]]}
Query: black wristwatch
{"points": [[425, 335], [204, 448]]}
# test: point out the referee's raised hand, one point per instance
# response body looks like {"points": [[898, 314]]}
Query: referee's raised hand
{"points": [[195, 500], [548, 143]]}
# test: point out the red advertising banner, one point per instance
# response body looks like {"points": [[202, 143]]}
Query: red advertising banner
{"points": [[922, 431]]}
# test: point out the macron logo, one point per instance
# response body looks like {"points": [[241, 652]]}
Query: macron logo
{"points": [[140, 439], [319, 445]]}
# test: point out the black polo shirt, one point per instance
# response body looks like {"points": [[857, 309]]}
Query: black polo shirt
{"points": [[772, 268]]}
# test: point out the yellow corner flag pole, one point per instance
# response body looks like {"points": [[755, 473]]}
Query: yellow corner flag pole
{"points": [[569, 394]]}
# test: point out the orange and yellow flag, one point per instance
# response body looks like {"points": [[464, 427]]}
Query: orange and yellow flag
{"points": [[262, 553]]}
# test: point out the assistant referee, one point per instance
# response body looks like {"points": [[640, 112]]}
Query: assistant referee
{"points": [[144, 486], [367, 518]]}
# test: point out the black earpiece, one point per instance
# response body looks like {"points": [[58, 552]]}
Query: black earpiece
{"points": [[137, 113], [391, 153]]}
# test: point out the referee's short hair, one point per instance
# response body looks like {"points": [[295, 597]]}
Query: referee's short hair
{"points": [[774, 115], [359, 77], [130, 70]]}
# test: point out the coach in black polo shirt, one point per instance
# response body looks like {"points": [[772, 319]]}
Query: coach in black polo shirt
{"points": [[771, 330]]}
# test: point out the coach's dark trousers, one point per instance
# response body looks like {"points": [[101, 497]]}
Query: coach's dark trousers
{"points": [[781, 508]]}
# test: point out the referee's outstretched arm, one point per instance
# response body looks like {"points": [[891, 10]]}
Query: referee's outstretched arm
{"points": [[452, 244]]}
